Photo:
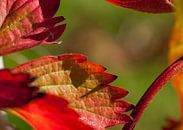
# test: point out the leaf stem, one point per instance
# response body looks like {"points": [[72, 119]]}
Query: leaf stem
{"points": [[145, 100], [1, 62]]}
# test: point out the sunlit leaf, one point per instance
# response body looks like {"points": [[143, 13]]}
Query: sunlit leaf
{"points": [[27, 23], [84, 85], [15, 89], [50, 113], [150, 6]]}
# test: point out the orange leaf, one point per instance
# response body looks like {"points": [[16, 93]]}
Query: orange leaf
{"points": [[50, 113], [84, 85], [176, 46], [175, 52]]}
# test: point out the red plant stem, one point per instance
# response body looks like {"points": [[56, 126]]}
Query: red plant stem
{"points": [[166, 75]]}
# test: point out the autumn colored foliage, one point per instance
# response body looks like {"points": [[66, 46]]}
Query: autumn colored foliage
{"points": [[149, 6], [87, 93], [67, 92], [27, 23], [51, 110], [175, 49], [15, 89], [61, 98]]}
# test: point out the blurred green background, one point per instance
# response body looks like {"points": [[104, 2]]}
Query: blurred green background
{"points": [[130, 44]]}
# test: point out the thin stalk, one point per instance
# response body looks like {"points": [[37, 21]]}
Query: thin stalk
{"points": [[166, 75], [1, 62]]}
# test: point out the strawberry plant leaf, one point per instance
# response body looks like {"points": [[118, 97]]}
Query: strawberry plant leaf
{"points": [[84, 85]]}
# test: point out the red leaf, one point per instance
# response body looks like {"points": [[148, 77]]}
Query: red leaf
{"points": [[173, 125], [150, 6], [49, 8], [15, 89], [84, 85], [50, 113], [27, 23]]}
